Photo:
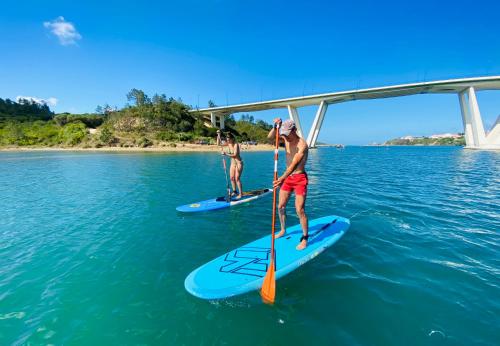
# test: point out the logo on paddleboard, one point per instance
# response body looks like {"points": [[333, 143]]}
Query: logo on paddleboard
{"points": [[251, 261], [195, 205]]}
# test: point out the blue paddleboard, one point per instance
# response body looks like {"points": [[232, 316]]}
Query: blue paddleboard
{"points": [[242, 270], [220, 202]]}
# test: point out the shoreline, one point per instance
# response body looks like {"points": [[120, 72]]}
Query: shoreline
{"points": [[178, 148]]}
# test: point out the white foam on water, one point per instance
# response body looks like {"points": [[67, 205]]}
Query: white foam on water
{"points": [[438, 332], [17, 315]]}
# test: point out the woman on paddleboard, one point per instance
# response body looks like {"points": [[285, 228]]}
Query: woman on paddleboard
{"points": [[236, 168]]}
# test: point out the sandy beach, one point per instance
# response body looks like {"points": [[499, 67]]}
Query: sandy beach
{"points": [[180, 147]]}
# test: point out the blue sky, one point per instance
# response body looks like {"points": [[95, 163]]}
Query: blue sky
{"points": [[233, 52]]}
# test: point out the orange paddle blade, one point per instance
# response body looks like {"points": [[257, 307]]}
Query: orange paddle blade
{"points": [[268, 290]]}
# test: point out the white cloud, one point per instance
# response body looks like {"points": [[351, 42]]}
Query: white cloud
{"points": [[65, 31], [51, 101]]}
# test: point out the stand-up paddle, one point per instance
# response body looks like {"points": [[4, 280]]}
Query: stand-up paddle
{"points": [[228, 197], [268, 290]]}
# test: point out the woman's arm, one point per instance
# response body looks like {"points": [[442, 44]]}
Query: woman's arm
{"points": [[219, 140], [236, 151]]}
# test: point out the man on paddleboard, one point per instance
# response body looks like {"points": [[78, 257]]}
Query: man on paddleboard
{"points": [[294, 178]]}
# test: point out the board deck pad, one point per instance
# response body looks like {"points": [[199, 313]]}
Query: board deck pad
{"points": [[220, 202], [243, 269]]}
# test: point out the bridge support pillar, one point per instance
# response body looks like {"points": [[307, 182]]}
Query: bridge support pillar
{"points": [[213, 120], [493, 137], [294, 115], [475, 136], [221, 122], [466, 120], [316, 126]]}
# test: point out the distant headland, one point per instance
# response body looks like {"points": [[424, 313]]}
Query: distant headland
{"points": [[448, 139]]}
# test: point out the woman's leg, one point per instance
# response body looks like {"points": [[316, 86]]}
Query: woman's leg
{"points": [[238, 172], [232, 176]]}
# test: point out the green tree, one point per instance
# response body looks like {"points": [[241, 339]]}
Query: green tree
{"points": [[229, 121], [24, 110], [73, 133], [106, 136], [138, 97]]}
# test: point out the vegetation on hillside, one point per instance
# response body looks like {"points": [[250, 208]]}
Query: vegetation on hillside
{"points": [[24, 110], [143, 122]]}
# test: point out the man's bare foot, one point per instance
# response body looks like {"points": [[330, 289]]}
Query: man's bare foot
{"points": [[238, 197], [303, 243], [280, 234]]}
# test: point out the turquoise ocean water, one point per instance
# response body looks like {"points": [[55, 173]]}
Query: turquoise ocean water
{"points": [[92, 250]]}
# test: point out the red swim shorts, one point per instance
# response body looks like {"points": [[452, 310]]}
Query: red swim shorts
{"points": [[296, 182]]}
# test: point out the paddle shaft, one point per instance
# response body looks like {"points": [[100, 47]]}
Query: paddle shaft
{"points": [[273, 227], [268, 290], [228, 198]]}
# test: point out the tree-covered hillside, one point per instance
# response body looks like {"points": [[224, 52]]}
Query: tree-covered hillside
{"points": [[144, 121], [24, 110]]}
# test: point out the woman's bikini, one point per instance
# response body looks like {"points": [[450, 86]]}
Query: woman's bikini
{"points": [[238, 160]]}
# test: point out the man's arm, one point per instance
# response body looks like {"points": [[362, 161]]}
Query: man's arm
{"points": [[272, 133]]}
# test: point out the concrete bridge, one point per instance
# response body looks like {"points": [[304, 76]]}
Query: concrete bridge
{"points": [[465, 88]]}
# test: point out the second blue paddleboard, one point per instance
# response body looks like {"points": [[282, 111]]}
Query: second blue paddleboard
{"points": [[221, 202]]}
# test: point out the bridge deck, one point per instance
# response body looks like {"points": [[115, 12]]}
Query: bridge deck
{"points": [[435, 87]]}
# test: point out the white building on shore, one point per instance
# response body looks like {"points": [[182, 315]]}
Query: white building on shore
{"points": [[447, 135]]}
